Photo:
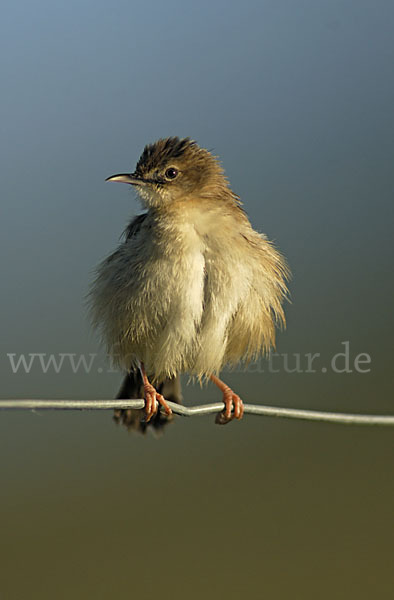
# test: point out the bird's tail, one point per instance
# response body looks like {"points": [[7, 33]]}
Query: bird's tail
{"points": [[134, 419]]}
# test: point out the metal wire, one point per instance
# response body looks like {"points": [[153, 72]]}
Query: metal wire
{"points": [[203, 409]]}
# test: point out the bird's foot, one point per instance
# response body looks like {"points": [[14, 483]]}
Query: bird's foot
{"points": [[233, 405], [152, 397], [152, 401]]}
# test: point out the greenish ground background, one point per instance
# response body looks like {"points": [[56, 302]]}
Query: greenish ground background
{"points": [[296, 98]]}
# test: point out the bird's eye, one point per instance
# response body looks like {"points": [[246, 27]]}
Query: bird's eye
{"points": [[171, 173]]}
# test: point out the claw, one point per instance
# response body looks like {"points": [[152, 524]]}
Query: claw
{"points": [[152, 397], [231, 401], [152, 401]]}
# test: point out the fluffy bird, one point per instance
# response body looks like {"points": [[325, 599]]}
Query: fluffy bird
{"points": [[192, 287]]}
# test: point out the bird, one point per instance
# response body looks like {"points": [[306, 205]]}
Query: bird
{"points": [[191, 288]]}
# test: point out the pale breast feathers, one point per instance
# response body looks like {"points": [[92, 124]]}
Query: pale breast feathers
{"points": [[194, 303], [148, 303]]}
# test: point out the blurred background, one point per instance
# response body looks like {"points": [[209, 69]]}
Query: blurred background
{"points": [[297, 99]]}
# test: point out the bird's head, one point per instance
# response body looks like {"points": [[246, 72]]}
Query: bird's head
{"points": [[173, 169]]}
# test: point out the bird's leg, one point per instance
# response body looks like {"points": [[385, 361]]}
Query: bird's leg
{"points": [[230, 400], [151, 396]]}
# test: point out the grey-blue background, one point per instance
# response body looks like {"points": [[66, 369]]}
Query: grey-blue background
{"points": [[297, 100]]}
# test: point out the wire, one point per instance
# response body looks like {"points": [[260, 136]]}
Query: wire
{"points": [[204, 409]]}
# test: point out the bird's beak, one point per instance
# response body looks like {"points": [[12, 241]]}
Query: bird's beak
{"points": [[125, 178]]}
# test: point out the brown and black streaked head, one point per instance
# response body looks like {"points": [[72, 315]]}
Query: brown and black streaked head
{"points": [[172, 169]]}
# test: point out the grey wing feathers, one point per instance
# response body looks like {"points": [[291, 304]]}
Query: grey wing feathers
{"points": [[134, 226]]}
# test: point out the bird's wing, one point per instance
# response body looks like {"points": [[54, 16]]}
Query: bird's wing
{"points": [[134, 226]]}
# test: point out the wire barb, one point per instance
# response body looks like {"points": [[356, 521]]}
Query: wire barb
{"points": [[203, 409]]}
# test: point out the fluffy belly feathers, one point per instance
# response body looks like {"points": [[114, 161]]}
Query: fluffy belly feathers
{"points": [[149, 305], [190, 309]]}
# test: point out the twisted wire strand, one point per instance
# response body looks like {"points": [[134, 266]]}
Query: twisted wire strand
{"points": [[203, 409]]}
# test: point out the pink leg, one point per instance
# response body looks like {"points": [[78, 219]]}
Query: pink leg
{"points": [[152, 397], [230, 400]]}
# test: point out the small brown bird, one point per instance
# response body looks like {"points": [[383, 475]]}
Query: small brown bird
{"points": [[192, 287]]}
